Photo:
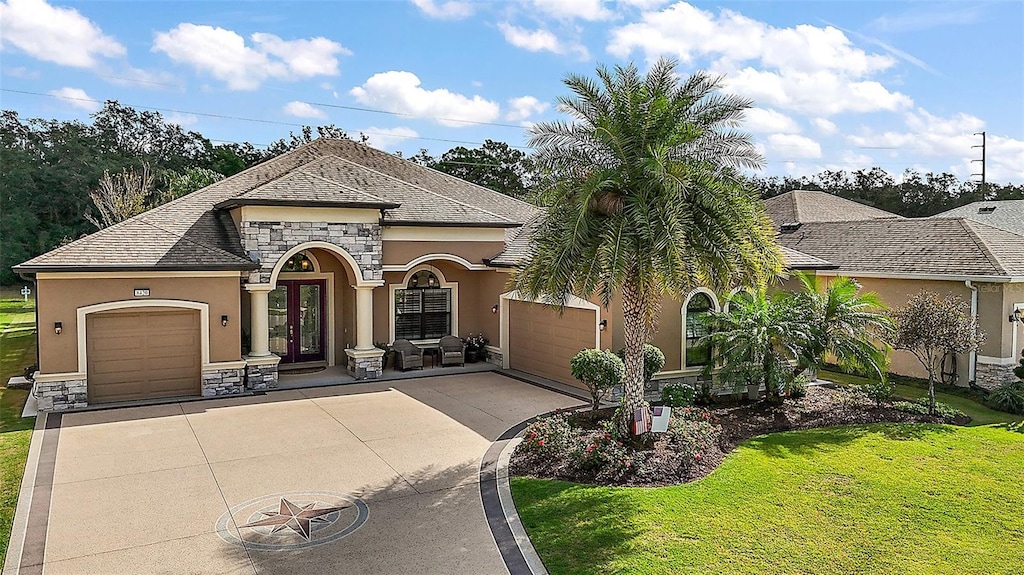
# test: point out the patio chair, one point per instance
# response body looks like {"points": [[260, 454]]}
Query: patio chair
{"points": [[453, 351], [407, 355]]}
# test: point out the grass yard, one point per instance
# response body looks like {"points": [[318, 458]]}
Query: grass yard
{"points": [[17, 350], [891, 498]]}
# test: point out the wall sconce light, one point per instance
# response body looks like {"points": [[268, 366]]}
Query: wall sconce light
{"points": [[224, 320], [431, 281], [1016, 315], [603, 325], [494, 308], [58, 327]]}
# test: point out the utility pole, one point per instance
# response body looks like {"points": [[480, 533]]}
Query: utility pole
{"points": [[984, 188]]}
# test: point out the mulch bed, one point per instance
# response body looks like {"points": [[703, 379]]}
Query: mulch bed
{"points": [[662, 464]]}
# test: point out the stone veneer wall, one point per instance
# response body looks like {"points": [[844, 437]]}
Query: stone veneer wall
{"points": [[261, 376], [61, 395], [220, 382], [989, 376], [366, 367], [270, 240]]}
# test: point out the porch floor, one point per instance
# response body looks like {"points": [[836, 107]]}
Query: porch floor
{"points": [[338, 375]]}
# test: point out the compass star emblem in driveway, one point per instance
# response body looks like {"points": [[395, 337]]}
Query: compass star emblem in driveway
{"points": [[292, 520], [294, 517]]}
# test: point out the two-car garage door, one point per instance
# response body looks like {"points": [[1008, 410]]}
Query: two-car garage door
{"points": [[143, 353], [542, 342]]}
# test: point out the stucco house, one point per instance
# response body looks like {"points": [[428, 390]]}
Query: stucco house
{"points": [[972, 252]]}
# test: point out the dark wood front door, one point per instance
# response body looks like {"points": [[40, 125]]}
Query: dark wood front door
{"points": [[298, 328]]}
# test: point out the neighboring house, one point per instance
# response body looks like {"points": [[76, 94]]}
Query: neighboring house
{"points": [[1003, 214], [897, 257]]}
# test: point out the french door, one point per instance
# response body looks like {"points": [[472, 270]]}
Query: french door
{"points": [[298, 328]]}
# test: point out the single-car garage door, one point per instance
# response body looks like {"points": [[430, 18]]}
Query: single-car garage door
{"points": [[143, 354], [542, 342]]}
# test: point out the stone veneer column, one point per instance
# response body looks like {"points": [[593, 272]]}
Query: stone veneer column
{"points": [[365, 361], [364, 317]]}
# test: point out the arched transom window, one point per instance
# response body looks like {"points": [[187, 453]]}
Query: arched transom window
{"points": [[300, 262]]}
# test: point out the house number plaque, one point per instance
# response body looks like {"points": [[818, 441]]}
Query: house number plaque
{"points": [[141, 292]]}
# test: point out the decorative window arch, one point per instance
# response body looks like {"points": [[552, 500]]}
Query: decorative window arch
{"points": [[737, 293], [696, 306], [425, 306], [301, 262]]}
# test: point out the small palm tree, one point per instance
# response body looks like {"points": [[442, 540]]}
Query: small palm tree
{"points": [[757, 337], [846, 326], [646, 199]]}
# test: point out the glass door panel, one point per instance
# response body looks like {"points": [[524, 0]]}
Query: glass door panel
{"points": [[310, 319], [278, 321]]}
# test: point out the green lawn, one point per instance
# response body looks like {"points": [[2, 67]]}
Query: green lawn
{"points": [[907, 499], [17, 350]]}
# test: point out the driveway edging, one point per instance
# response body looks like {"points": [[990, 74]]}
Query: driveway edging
{"points": [[511, 513]]}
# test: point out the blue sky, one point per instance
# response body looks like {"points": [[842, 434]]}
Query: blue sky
{"points": [[838, 85]]}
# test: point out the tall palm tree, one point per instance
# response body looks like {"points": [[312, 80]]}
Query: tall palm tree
{"points": [[646, 199], [848, 326]]}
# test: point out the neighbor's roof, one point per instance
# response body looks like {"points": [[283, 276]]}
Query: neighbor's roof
{"points": [[190, 233], [1003, 214], [805, 206], [921, 246], [518, 250]]}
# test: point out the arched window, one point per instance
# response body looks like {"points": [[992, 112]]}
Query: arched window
{"points": [[423, 310], [696, 310], [300, 262]]}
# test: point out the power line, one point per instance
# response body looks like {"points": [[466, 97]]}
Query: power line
{"points": [[414, 116]]}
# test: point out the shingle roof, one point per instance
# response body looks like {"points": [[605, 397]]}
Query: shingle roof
{"points": [[925, 246], [1003, 214], [518, 249], [189, 233], [805, 206]]}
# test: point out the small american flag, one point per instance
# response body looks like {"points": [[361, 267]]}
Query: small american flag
{"points": [[641, 420]]}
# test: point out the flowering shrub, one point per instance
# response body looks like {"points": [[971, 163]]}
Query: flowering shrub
{"points": [[548, 436], [475, 342], [694, 435], [677, 395], [602, 453]]}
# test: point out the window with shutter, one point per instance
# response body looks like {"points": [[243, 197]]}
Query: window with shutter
{"points": [[423, 312]]}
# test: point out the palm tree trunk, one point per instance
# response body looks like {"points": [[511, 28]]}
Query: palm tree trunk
{"points": [[636, 330]]}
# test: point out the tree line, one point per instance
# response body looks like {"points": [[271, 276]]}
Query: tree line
{"points": [[64, 179]]}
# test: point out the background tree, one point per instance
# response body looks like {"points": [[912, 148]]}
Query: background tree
{"points": [[120, 196], [845, 324], [185, 182], [930, 325], [647, 201], [495, 165]]}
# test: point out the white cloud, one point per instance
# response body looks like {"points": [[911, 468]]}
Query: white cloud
{"points": [[644, 4], [21, 72], [450, 10], [792, 146], [540, 40], [523, 107], [387, 138], [760, 120], [810, 69], [181, 119], [569, 9], [59, 35], [827, 127], [303, 110], [77, 98], [225, 55], [399, 91], [930, 136]]}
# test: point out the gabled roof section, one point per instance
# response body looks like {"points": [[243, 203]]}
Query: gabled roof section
{"points": [[191, 233], [805, 206], [517, 250], [924, 246], [1003, 214]]}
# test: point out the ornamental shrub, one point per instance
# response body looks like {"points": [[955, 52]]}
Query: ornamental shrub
{"points": [[548, 437], [602, 454], [654, 360], [677, 395], [796, 387], [1008, 397], [920, 407], [599, 371], [692, 438], [879, 391]]}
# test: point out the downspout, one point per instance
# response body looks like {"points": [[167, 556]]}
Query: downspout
{"points": [[972, 362]]}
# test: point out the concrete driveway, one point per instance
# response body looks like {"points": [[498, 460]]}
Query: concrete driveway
{"points": [[364, 478]]}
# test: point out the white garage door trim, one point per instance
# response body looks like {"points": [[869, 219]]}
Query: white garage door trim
{"points": [[204, 322], [570, 301]]}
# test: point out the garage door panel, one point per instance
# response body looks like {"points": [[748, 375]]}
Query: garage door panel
{"points": [[143, 354], [542, 342]]}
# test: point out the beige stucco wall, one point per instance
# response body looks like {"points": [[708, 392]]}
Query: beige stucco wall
{"points": [[59, 300], [403, 252], [1013, 298]]}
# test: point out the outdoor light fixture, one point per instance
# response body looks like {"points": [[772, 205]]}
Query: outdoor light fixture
{"points": [[1016, 315], [224, 320], [494, 308], [431, 280], [603, 325], [58, 327], [305, 264]]}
